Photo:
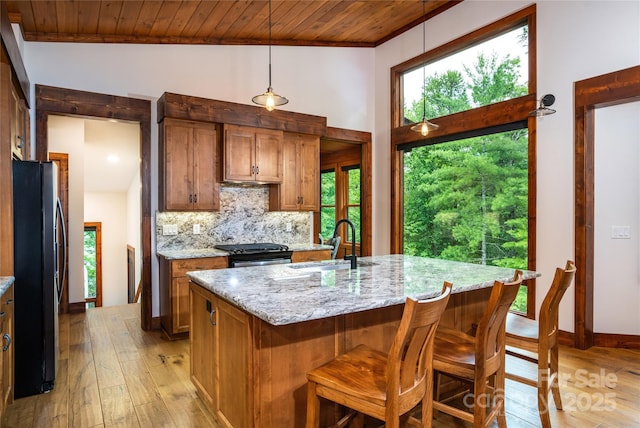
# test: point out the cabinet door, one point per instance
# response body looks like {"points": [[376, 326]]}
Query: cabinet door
{"points": [[202, 344], [239, 152], [205, 185], [232, 366], [178, 166], [7, 347], [268, 156], [180, 302], [309, 169], [289, 195]]}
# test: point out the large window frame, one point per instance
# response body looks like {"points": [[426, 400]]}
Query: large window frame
{"points": [[469, 123]]}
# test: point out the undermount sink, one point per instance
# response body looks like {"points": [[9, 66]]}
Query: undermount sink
{"points": [[327, 266]]}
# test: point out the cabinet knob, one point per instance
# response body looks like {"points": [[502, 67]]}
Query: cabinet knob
{"points": [[6, 337]]}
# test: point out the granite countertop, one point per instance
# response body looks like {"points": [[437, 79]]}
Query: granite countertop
{"points": [[287, 294], [192, 253], [5, 282]]}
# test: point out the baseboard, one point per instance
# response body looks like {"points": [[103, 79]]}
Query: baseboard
{"points": [[155, 323], [566, 338], [606, 340], [77, 307], [612, 340]]}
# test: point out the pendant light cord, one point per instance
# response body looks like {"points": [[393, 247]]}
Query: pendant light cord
{"points": [[269, 43], [424, 94]]}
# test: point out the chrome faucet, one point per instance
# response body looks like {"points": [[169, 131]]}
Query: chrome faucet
{"points": [[352, 257]]}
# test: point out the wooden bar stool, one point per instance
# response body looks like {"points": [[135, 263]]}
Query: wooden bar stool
{"points": [[479, 360], [383, 386], [541, 338]]}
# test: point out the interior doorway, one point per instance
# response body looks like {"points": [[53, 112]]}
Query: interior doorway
{"points": [[61, 101], [345, 165]]}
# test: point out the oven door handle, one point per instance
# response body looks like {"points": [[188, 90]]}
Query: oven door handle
{"points": [[263, 262]]}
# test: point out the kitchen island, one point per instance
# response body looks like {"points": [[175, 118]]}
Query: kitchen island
{"points": [[256, 331]]}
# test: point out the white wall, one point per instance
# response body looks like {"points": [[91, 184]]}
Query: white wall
{"points": [[575, 40], [617, 196], [110, 209], [66, 135]]}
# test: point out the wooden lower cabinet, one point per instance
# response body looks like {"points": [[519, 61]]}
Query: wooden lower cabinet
{"points": [[6, 333], [253, 374], [174, 291], [220, 352], [310, 256]]}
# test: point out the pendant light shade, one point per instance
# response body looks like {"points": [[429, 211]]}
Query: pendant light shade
{"points": [[269, 99], [424, 127]]}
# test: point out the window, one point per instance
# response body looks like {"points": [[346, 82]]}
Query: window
{"points": [[340, 198], [491, 71], [93, 264], [351, 182], [468, 190], [327, 203]]}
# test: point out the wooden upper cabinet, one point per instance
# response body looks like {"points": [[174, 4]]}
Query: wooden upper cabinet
{"points": [[19, 126], [252, 154], [300, 188], [188, 166]]}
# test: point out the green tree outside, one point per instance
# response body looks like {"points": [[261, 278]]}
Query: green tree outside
{"points": [[466, 200]]}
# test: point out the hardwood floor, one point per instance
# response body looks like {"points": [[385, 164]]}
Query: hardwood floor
{"points": [[112, 373]]}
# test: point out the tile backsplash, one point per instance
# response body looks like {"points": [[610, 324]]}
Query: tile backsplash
{"points": [[244, 217]]}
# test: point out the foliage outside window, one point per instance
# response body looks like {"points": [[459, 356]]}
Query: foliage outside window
{"points": [[327, 203], [466, 199], [352, 206], [90, 262], [492, 71]]}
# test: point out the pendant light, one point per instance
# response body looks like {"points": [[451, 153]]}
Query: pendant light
{"points": [[424, 127], [269, 99], [543, 109]]}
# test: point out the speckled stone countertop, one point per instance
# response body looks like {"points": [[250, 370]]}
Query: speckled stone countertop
{"points": [[287, 294], [193, 253], [5, 282]]}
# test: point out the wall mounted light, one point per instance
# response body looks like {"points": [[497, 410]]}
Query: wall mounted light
{"points": [[424, 127], [543, 108], [269, 99]]}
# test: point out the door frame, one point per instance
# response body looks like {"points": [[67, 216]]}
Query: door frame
{"points": [[70, 102], [618, 87], [364, 140]]}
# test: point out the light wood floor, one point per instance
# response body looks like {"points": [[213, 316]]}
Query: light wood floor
{"points": [[114, 374]]}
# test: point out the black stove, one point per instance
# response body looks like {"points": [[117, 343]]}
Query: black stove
{"points": [[261, 253]]}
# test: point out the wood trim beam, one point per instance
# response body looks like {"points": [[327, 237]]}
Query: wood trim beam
{"points": [[608, 89], [208, 110], [60, 101], [11, 46]]}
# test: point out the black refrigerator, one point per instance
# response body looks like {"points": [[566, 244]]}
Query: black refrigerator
{"points": [[38, 242]]}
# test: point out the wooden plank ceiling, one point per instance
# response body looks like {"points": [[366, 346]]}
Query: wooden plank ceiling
{"points": [[353, 23]]}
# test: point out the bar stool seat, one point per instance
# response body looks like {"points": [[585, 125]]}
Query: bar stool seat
{"points": [[541, 338], [477, 361], [384, 386]]}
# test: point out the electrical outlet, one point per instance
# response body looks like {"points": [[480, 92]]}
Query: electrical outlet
{"points": [[170, 229], [196, 229], [288, 227]]}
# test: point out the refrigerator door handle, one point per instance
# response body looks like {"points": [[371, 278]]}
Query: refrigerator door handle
{"points": [[62, 269]]}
